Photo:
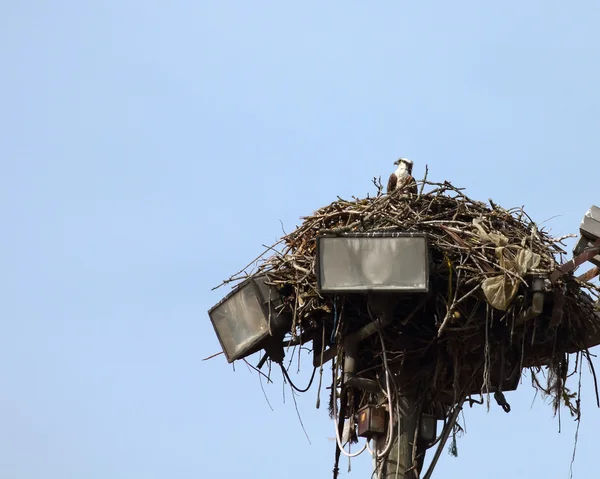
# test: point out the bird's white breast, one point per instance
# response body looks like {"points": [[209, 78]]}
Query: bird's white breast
{"points": [[401, 173]]}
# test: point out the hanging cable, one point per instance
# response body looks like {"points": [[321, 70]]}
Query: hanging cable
{"points": [[337, 431], [287, 376], [389, 441], [335, 320], [388, 379], [376, 464], [452, 418]]}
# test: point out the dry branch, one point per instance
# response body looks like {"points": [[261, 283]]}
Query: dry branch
{"points": [[457, 324]]}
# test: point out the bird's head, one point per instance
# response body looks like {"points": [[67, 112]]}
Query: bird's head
{"points": [[406, 163]]}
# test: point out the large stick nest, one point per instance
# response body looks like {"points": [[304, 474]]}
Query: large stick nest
{"points": [[471, 331]]}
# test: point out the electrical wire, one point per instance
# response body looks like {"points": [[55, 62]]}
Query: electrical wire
{"points": [[287, 376], [337, 431], [335, 320], [388, 379], [377, 456], [371, 451], [376, 465], [444, 436], [389, 441], [431, 444]]}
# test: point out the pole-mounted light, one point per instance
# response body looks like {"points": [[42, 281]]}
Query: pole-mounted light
{"points": [[590, 233], [587, 248], [373, 262], [248, 320], [382, 265]]}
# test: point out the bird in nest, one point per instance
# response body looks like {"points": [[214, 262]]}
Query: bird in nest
{"points": [[402, 179]]}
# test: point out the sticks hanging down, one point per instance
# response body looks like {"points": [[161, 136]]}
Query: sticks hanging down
{"points": [[474, 246]]}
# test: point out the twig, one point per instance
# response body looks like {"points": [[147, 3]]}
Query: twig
{"points": [[424, 182], [453, 308], [264, 392], [213, 356], [299, 417], [258, 371]]}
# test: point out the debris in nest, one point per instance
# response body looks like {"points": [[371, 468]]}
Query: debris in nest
{"points": [[476, 329]]}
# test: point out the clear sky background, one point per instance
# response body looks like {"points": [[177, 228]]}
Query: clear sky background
{"points": [[148, 150]]}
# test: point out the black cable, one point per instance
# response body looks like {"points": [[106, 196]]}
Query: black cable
{"points": [[287, 376]]}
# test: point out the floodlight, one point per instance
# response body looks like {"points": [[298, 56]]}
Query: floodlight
{"points": [[373, 262], [590, 232], [245, 319]]}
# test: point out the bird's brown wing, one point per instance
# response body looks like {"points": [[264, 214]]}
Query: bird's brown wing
{"points": [[407, 185], [411, 185], [392, 182]]}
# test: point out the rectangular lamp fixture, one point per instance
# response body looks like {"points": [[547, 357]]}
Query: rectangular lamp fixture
{"points": [[373, 262], [244, 318], [590, 232]]}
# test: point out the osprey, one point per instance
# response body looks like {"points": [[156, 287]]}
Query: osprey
{"points": [[401, 179]]}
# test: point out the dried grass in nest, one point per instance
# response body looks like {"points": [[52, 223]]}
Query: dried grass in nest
{"points": [[460, 332]]}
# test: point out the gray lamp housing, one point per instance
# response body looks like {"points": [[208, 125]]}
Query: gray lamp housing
{"points": [[590, 232], [247, 317], [373, 262], [428, 428]]}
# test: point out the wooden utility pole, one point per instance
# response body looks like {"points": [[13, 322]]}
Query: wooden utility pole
{"points": [[399, 462]]}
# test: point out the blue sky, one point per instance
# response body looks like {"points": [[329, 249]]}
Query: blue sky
{"points": [[148, 150]]}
